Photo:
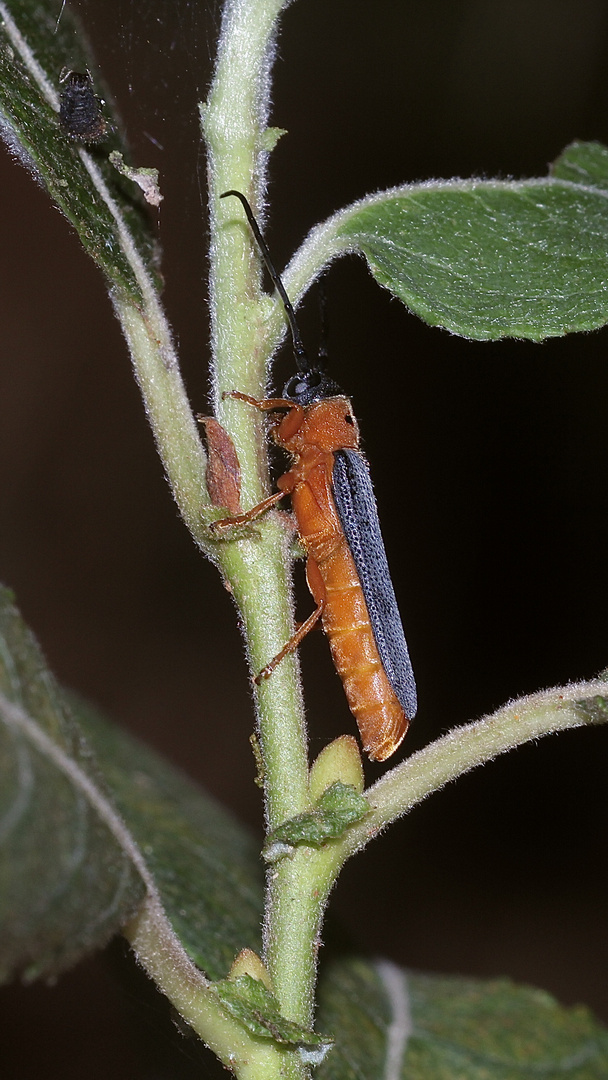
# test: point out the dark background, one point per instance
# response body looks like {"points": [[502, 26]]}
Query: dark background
{"points": [[489, 462]]}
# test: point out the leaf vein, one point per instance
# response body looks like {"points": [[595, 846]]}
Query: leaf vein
{"points": [[400, 1028]]}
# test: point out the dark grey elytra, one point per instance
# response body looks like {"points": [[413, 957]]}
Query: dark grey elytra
{"points": [[80, 114]]}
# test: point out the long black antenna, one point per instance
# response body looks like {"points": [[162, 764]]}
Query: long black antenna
{"points": [[298, 348], [324, 336]]}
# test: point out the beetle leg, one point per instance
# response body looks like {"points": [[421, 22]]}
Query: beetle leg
{"points": [[267, 405], [292, 644], [249, 515]]}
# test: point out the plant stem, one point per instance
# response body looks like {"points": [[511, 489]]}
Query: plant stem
{"points": [[298, 890], [234, 120], [473, 744], [234, 125], [169, 412], [165, 961]]}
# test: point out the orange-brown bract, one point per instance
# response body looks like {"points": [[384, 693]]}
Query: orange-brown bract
{"points": [[337, 521]]}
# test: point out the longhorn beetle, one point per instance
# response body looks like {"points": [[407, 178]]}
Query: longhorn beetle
{"points": [[337, 522]]}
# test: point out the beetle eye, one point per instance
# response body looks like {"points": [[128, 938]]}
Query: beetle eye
{"points": [[349, 419]]}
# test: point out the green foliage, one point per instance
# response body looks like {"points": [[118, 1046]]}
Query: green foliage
{"points": [[206, 867], [583, 163], [389, 1022], [92, 823], [104, 207], [596, 708], [340, 805], [67, 877], [66, 881], [489, 259], [252, 1003]]}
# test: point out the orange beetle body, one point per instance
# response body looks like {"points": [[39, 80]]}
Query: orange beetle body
{"points": [[314, 434]]}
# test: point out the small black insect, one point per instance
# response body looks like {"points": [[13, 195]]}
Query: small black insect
{"points": [[80, 112]]}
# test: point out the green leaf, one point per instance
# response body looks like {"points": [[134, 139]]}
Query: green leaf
{"points": [[492, 259], [340, 805], [596, 708], [583, 163], [67, 874], [206, 867], [105, 209], [66, 880], [394, 1024], [248, 1000]]}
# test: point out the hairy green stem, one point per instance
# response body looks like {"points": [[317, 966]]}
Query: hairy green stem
{"points": [[169, 412], [474, 744], [300, 886], [256, 562], [165, 961], [234, 125], [257, 565]]}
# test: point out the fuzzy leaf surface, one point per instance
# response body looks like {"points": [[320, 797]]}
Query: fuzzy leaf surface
{"points": [[583, 163], [340, 805], [79, 801], [66, 881], [394, 1024], [206, 867], [489, 259], [248, 1000], [105, 208]]}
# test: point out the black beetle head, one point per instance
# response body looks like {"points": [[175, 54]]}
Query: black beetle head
{"points": [[306, 387]]}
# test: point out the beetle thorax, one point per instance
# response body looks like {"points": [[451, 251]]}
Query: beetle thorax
{"points": [[328, 425]]}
